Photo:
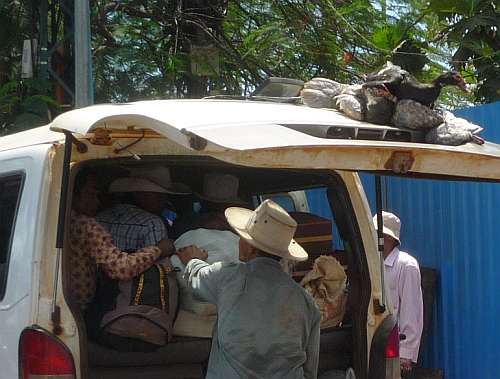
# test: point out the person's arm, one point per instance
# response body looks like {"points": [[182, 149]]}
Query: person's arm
{"points": [[410, 312], [312, 348], [115, 263], [205, 280]]}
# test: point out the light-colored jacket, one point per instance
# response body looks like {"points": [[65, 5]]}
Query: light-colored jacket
{"points": [[267, 325]]}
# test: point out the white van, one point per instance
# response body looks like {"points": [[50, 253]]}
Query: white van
{"points": [[273, 150]]}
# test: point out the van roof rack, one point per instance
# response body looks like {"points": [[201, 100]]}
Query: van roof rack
{"points": [[288, 100], [287, 90], [273, 89]]}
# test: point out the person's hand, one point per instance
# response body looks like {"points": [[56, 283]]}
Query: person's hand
{"points": [[406, 365], [191, 252], [167, 247]]}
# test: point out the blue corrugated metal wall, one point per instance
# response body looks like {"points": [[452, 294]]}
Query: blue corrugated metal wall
{"points": [[455, 227]]}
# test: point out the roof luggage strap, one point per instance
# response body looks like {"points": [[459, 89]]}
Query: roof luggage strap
{"points": [[380, 308], [55, 315]]}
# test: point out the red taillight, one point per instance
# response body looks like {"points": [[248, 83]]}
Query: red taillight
{"points": [[392, 347], [43, 355]]}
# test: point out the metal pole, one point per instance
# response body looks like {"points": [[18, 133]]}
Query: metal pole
{"points": [[385, 193], [380, 233], [44, 57], [84, 88], [55, 310]]}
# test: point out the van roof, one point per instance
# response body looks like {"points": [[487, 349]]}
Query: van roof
{"points": [[194, 115], [267, 134], [190, 114], [35, 136]]}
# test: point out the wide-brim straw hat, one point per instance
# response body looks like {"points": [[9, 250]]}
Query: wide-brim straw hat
{"points": [[392, 225], [221, 188], [132, 184], [160, 175], [269, 228]]}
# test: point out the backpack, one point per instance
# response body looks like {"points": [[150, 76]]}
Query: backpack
{"points": [[143, 308]]}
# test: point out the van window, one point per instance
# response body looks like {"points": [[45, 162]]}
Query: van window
{"points": [[317, 198], [282, 199], [10, 191]]}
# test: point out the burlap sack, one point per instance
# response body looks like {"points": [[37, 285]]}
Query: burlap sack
{"points": [[326, 283]]}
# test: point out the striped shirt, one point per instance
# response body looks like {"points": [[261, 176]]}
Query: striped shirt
{"points": [[132, 228]]}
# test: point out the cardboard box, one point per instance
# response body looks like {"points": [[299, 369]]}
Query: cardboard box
{"points": [[314, 234]]}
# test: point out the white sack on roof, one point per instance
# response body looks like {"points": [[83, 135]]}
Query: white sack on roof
{"points": [[454, 131]]}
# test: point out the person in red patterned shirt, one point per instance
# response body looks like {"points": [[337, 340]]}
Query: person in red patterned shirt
{"points": [[92, 246]]}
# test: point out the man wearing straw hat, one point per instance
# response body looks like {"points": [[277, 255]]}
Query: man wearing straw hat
{"points": [[267, 325], [402, 275]]}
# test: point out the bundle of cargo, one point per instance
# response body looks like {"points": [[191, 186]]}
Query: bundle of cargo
{"points": [[391, 96], [196, 318], [327, 284]]}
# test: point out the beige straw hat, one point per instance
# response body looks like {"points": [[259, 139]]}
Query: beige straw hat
{"points": [[160, 175], [221, 188], [392, 225], [131, 184], [269, 228]]}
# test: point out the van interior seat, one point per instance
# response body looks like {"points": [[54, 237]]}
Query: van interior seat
{"points": [[181, 371], [192, 354], [181, 350]]}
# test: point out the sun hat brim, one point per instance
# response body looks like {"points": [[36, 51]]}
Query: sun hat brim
{"points": [[238, 219], [131, 184], [386, 230], [177, 189], [390, 233], [232, 201], [161, 177]]}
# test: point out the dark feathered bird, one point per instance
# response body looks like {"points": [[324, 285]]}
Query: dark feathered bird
{"points": [[379, 104], [404, 87], [427, 94]]}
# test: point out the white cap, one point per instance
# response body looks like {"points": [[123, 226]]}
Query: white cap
{"points": [[392, 225], [221, 188]]}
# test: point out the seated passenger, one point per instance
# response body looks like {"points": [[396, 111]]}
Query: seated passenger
{"points": [[92, 246], [137, 314], [160, 175], [220, 191], [135, 223]]}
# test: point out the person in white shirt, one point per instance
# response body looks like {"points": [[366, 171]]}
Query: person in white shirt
{"points": [[402, 277]]}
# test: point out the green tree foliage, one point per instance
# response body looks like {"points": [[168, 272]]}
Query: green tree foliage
{"points": [[473, 28], [147, 49], [24, 103], [142, 48], [150, 50], [192, 48]]}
